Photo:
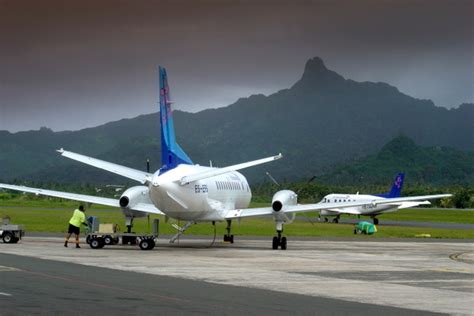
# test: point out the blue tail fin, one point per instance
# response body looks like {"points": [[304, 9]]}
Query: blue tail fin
{"points": [[396, 189], [171, 154]]}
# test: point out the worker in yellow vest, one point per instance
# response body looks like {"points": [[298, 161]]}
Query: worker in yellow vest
{"points": [[78, 218]]}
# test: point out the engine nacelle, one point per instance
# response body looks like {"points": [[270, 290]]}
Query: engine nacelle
{"points": [[133, 196], [280, 200]]}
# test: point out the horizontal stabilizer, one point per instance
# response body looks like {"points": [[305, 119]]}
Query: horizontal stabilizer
{"points": [[219, 171], [123, 171]]}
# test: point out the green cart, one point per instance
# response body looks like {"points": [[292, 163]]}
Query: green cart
{"points": [[365, 228]]}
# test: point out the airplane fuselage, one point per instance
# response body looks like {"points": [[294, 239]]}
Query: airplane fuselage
{"points": [[203, 200], [367, 209]]}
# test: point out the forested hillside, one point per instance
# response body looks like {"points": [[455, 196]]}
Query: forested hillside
{"points": [[320, 124]]}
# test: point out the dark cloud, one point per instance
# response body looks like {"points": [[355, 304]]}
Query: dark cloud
{"points": [[72, 64]]}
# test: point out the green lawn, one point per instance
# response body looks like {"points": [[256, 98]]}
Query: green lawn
{"points": [[47, 216]]}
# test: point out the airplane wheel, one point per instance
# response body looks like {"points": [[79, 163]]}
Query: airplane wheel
{"points": [[335, 220], [376, 221], [326, 219], [226, 238], [231, 239], [283, 243], [275, 243]]}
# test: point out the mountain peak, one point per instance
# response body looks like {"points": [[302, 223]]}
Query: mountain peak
{"points": [[400, 144], [315, 64], [316, 74]]}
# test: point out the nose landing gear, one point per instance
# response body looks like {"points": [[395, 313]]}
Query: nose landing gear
{"points": [[279, 241]]}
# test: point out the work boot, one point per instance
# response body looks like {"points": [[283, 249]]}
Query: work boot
{"points": [[65, 244]]}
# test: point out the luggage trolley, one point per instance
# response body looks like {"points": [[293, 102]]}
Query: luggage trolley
{"points": [[100, 235], [9, 233]]}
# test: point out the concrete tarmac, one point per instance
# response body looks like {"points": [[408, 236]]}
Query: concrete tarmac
{"points": [[312, 277]]}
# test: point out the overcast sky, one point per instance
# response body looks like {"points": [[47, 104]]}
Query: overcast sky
{"points": [[74, 64]]}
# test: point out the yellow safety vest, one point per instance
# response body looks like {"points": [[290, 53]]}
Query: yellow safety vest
{"points": [[77, 218]]}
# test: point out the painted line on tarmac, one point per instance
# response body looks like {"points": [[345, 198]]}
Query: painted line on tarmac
{"points": [[5, 294]]}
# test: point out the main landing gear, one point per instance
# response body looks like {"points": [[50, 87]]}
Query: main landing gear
{"points": [[228, 237], [279, 241], [335, 220], [375, 220]]}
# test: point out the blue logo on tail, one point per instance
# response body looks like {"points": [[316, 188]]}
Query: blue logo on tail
{"points": [[171, 154], [396, 189]]}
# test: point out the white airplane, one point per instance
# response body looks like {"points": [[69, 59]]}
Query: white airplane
{"points": [[369, 208], [184, 191]]}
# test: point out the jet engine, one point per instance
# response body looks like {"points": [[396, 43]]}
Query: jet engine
{"points": [[280, 201]]}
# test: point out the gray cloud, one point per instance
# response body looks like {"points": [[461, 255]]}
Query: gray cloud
{"points": [[73, 64]]}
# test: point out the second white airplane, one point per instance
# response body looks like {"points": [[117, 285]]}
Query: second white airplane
{"points": [[193, 193], [370, 209]]}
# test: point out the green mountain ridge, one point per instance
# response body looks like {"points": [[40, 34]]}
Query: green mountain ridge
{"points": [[323, 121], [438, 166]]}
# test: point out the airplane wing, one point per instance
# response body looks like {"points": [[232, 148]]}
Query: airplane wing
{"points": [[398, 205], [218, 171], [144, 207], [289, 209], [126, 172], [410, 199], [345, 208]]}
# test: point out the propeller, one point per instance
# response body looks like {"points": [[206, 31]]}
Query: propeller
{"points": [[272, 178], [297, 192]]}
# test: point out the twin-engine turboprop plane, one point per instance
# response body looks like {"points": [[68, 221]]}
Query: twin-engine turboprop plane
{"points": [[184, 191], [370, 209]]}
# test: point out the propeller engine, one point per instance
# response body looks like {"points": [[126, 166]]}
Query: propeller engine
{"points": [[131, 197], [280, 200]]}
